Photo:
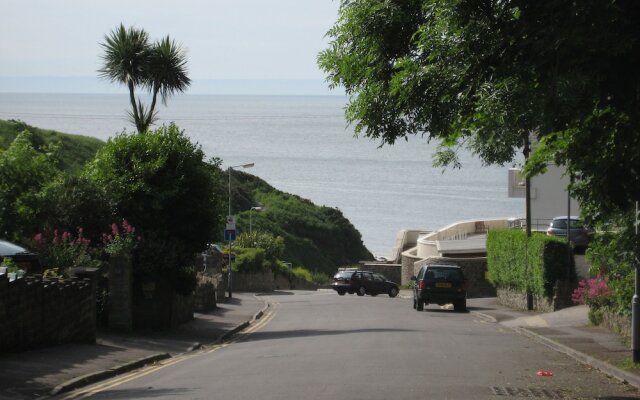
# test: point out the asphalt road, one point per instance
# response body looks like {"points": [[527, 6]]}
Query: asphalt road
{"points": [[318, 345]]}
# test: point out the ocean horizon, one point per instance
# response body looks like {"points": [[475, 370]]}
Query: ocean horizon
{"points": [[301, 144]]}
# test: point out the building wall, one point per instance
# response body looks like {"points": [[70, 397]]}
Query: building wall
{"points": [[37, 312], [549, 197]]}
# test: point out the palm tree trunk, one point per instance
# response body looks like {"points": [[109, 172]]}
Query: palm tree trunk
{"points": [[132, 98]]}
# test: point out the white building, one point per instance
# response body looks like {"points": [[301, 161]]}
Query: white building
{"points": [[549, 197]]}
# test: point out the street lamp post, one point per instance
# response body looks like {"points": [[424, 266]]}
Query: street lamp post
{"points": [[230, 218]]}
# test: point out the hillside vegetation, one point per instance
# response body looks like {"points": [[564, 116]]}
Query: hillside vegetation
{"points": [[319, 238], [73, 150]]}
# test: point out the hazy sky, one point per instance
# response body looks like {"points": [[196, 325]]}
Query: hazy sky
{"points": [[226, 39]]}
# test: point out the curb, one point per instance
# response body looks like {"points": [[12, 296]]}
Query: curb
{"points": [[621, 375], [94, 377]]}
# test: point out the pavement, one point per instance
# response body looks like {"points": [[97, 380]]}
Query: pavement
{"points": [[54, 370]]}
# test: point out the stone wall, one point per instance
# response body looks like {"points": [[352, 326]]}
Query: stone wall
{"points": [[205, 295], [37, 312], [409, 259], [518, 300], [474, 271], [157, 306], [392, 272], [267, 282]]}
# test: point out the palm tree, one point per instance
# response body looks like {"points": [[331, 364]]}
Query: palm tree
{"points": [[167, 72], [130, 59]]}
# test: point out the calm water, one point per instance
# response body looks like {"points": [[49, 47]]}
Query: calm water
{"points": [[302, 145]]}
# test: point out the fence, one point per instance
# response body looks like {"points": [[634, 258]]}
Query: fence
{"points": [[37, 312]]}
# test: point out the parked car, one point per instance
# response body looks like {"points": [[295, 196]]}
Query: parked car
{"points": [[22, 257], [440, 284], [363, 282], [579, 234]]}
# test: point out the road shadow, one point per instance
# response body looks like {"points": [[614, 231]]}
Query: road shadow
{"points": [[33, 373], [296, 333], [150, 393]]}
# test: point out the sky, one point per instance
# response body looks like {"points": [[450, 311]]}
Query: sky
{"points": [[235, 40]]}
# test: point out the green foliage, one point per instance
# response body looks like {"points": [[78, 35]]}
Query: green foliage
{"points": [[273, 246], [302, 273], [160, 182], [121, 241], [532, 264], [487, 75], [71, 151], [250, 260], [24, 172], [132, 60], [609, 259], [61, 250], [320, 238], [9, 264], [71, 201]]}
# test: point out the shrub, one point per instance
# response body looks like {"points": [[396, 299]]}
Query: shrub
{"points": [[532, 264], [250, 260], [121, 241], [302, 273], [61, 251]]}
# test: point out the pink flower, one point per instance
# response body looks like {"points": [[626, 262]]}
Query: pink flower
{"points": [[114, 229]]}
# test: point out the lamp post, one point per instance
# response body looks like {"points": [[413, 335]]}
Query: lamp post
{"points": [[257, 208], [231, 224]]}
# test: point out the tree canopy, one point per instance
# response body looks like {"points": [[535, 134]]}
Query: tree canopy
{"points": [[130, 58], [488, 74], [161, 183]]}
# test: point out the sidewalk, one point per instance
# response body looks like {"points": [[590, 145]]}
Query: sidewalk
{"points": [[567, 331], [56, 369]]}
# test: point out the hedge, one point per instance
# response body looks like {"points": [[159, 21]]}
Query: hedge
{"points": [[532, 264]]}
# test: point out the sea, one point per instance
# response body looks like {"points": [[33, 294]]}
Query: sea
{"points": [[304, 146]]}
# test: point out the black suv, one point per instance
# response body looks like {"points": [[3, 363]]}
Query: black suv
{"points": [[440, 284], [363, 282]]}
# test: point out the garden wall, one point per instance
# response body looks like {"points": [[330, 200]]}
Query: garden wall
{"points": [[267, 282], [517, 299], [37, 312]]}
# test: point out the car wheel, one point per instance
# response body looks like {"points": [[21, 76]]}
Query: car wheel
{"points": [[393, 292], [460, 306], [361, 291], [420, 305], [342, 292]]}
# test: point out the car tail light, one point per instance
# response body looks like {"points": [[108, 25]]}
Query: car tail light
{"points": [[422, 284]]}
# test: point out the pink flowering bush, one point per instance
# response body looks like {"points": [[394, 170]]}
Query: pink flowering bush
{"points": [[122, 240], [592, 292], [64, 250]]}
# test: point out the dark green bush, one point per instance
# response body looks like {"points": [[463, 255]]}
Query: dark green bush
{"points": [[532, 264], [250, 260]]}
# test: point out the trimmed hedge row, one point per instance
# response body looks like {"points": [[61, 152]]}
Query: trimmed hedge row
{"points": [[529, 264]]}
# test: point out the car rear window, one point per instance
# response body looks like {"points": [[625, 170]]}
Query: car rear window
{"points": [[449, 274], [562, 224], [343, 274]]}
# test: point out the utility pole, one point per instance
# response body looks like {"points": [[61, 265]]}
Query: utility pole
{"points": [[635, 302]]}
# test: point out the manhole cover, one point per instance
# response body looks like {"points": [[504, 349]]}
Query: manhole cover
{"points": [[527, 392]]}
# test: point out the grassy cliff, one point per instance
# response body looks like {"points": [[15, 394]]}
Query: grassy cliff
{"points": [[319, 238]]}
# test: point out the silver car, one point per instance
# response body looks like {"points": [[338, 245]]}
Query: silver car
{"points": [[579, 234]]}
